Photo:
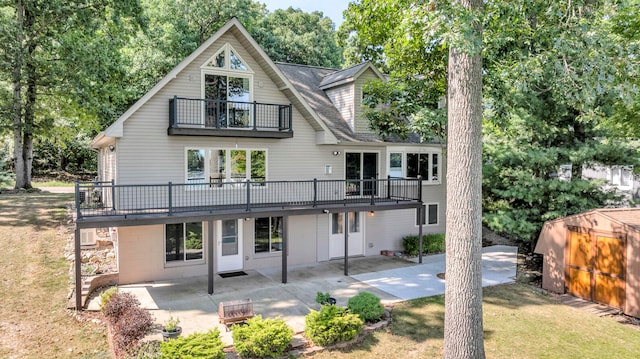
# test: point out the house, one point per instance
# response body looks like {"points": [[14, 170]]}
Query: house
{"points": [[594, 255], [234, 162]]}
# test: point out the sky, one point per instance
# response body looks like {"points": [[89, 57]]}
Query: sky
{"points": [[330, 8]]}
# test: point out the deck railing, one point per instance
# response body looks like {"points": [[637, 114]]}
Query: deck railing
{"points": [[221, 114], [99, 199]]}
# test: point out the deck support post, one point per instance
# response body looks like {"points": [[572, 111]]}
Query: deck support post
{"points": [[346, 243], [419, 210], [285, 247], [210, 255], [78, 268]]}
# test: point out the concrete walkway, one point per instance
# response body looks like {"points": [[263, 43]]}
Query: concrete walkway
{"points": [[396, 280]]}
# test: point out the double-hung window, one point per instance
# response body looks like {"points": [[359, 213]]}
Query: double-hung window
{"points": [[268, 234], [622, 176], [183, 242]]}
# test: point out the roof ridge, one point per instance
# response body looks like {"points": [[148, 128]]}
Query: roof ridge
{"points": [[303, 65]]}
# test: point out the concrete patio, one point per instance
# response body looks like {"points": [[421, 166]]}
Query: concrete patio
{"points": [[392, 279]]}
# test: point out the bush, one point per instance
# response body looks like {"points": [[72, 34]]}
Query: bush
{"points": [[367, 306], [431, 243], [117, 304], [332, 324], [196, 345], [132, 325], [262, 338], [146, 350], [106, 296]]}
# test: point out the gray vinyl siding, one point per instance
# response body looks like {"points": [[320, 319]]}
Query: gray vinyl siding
{"points": [[361, 124], [148, 155], [342, 98]]}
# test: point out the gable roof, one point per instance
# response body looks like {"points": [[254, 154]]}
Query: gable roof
{"points": [[116, 129], [341, 77], [623, 216], [307, 80]]}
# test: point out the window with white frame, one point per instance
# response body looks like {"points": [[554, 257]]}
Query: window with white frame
{"points": [[411, 164], [622, 176], [429, 215], [227, 83], [183, 242], [217, 166], [268, 235]]}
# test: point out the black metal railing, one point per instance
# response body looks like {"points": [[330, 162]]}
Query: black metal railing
{"points": [[221, 114], [98, 199]]}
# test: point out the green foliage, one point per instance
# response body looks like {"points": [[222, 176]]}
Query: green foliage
{"points": [[262, 338], [332, 324], [322, 298], [294, 36], [367, 306], [171, 324], [431, 243], [196, 345], [106, 296]]}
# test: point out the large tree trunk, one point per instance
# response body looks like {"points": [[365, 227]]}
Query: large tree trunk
{"points": [[463, 336], [23, 114], [19, 163]]}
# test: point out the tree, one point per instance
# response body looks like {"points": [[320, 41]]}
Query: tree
{"points": [[294, 36], [554, 76], [463, 336], [45, 41], [558, 78]]}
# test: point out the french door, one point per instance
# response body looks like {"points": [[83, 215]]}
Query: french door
{"points": [[355, 237], [361, 172]]}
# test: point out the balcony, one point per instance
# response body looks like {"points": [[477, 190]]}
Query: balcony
{"points": [[204, 117], [105, 202]]}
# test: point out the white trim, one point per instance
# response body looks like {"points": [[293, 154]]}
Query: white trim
{"points": [[425, 209], [416, 150], [227, 161], [116, 129], [184, 261]]}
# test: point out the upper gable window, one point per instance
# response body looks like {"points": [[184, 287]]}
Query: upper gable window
{"points": [[227, 59]]}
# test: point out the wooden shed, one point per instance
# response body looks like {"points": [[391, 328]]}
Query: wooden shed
{"points": [[594, 255]]}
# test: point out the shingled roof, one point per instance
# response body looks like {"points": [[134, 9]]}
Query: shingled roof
{"points": [[307, 79]]}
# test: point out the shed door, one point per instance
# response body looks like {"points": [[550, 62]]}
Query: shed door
{"points": [[596, 267]]}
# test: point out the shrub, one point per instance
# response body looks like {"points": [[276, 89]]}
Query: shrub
{"points": [[119, 302], [146, 350], [106, 296], [262, 338], [132, 325], [196, 345], [435, 243], [324, 298], [331, 324], [431, 243], [367, 306]]}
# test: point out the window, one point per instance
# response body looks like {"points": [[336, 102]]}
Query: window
{"points": [[622, 176], [216, 166], [430, 214], [268, 235], [414, 164], [226, 84], [183, 242], [337, 224], [395, 165]]}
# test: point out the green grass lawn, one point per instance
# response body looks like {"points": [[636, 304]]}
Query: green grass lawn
{"points": [[518, 323]]}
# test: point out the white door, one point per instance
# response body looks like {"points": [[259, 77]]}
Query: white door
{"points": [[229, 237], [336, 234]]}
